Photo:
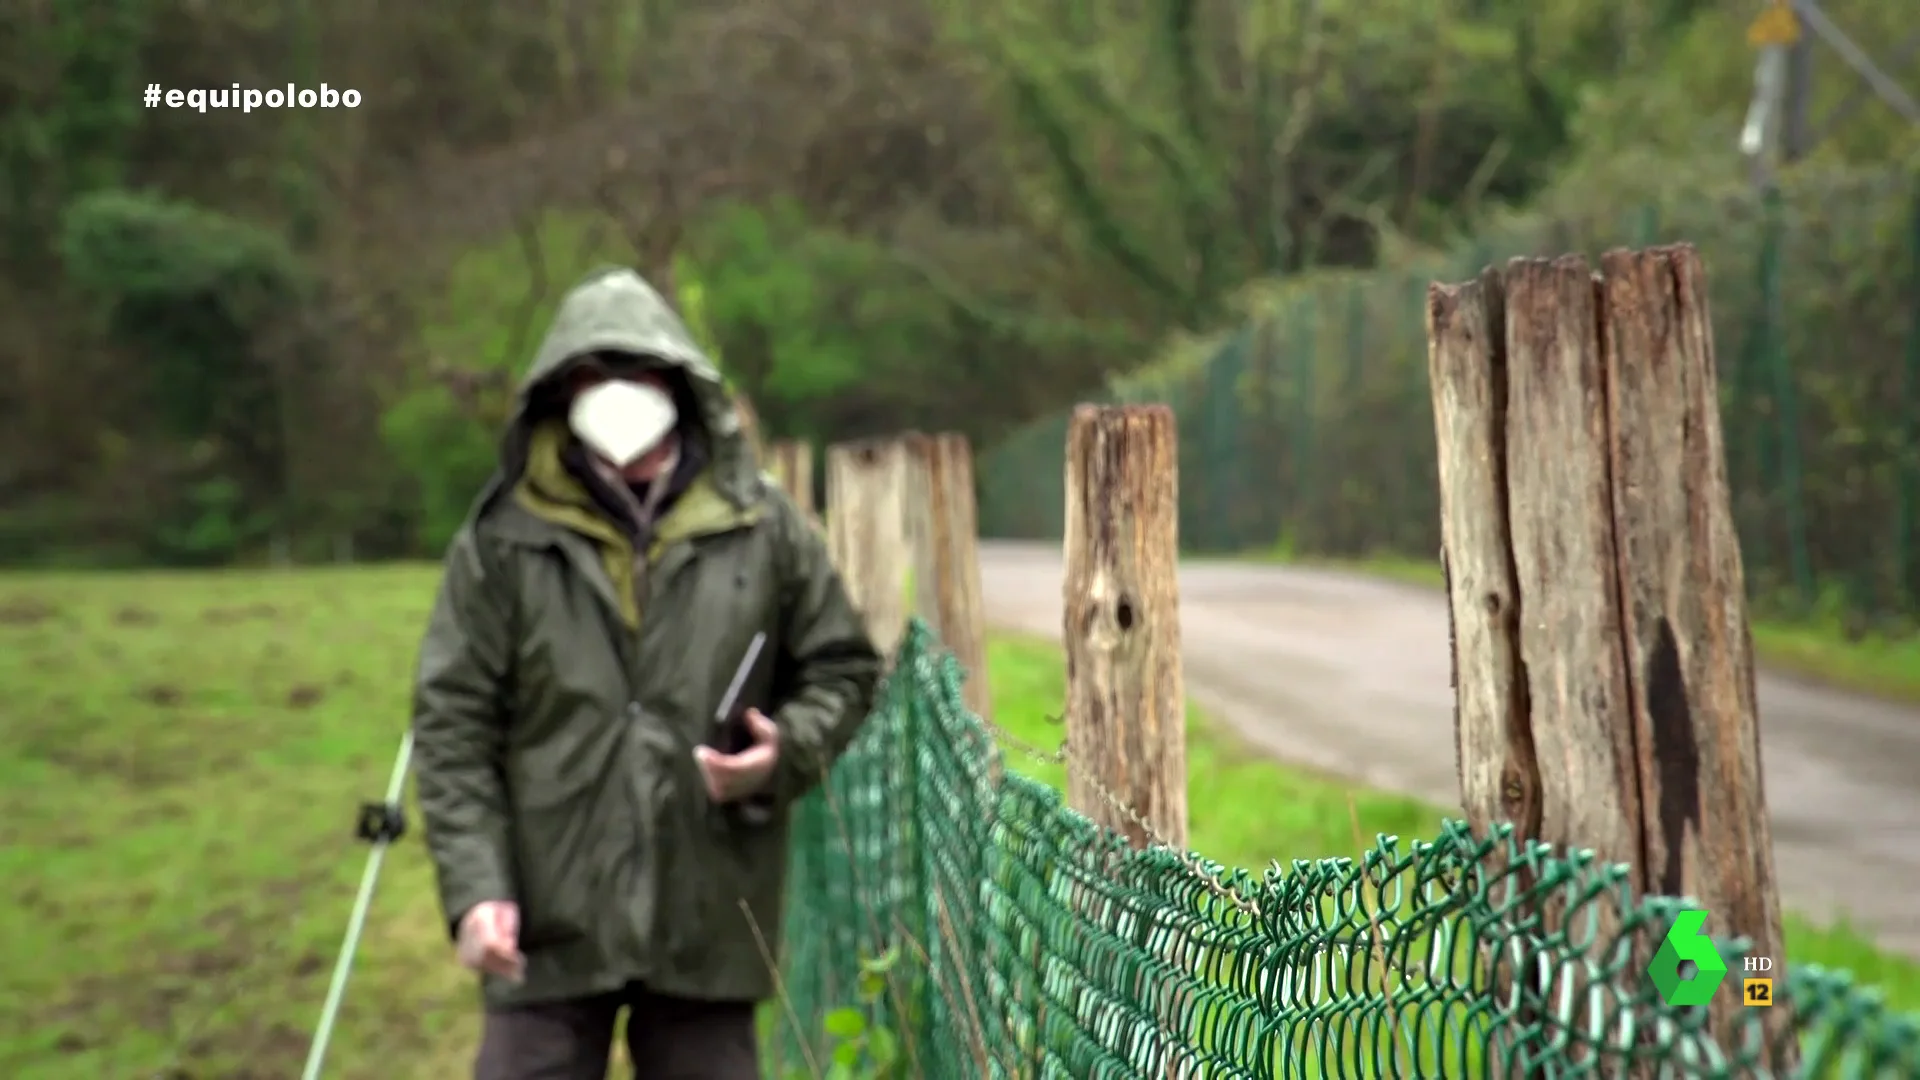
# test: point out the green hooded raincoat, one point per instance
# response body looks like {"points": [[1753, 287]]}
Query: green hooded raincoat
{"points": [[565, 679]]}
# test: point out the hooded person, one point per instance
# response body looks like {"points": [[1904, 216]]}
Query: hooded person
{"points": [[594, 611]]}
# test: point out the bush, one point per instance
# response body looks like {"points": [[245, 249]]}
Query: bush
{"points": [[210, 309]]}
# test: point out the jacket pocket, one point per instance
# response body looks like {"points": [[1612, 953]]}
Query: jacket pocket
{"points": [[557, 871], [713, 886]]}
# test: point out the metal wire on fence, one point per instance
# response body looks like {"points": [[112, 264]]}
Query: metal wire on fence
{"points": [[1035, 945]]}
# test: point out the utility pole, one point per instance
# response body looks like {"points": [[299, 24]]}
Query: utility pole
{"points": [[1796, 128]]}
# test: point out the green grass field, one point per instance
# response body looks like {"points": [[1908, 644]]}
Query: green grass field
{"points": [[182, 759]]}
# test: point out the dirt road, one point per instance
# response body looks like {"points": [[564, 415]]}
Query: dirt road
{"points": [[1350, 674]]}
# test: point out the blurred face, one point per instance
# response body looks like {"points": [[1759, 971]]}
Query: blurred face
{"points": [[647, 466]]}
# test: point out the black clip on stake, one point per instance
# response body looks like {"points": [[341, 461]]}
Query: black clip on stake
{"points": [[379, 824]]}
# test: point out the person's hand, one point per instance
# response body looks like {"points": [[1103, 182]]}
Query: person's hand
{"points": [[489, 940], [731, 777]]}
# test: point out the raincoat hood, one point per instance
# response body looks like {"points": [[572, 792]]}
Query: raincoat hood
{"points": [[616, 311]]}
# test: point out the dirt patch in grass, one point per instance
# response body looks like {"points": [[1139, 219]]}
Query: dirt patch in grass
{"points": [[134, 616], [162, 695], [26, 611], [305, 696], [227, 616]]}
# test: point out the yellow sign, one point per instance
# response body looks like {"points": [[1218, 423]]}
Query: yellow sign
{"points": [[1757, 991], [1777, 25]]}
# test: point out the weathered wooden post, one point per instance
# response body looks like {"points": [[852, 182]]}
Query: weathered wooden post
{"points": [[947, 556], [791, 463], [750, 425], [1604, 670], [867, 531], [1126, 699]]}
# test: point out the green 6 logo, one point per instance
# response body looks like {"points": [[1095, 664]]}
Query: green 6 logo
{"points": [[1686, 942]]}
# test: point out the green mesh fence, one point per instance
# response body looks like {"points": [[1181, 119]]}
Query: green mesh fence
{"points": [[1034, 945], [1310, 429]]}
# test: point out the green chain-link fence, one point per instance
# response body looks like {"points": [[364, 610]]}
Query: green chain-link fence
{"points": [[1033, 945], [1310, 427]]}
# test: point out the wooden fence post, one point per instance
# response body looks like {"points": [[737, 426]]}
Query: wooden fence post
{"points": [[750, 425], [1126, 702], [869, 540], [947, 559], [1603, 667], [791, 463], [867, 532]]}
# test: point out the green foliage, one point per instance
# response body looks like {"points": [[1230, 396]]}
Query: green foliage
{"points": [[811, 322], [768, 283], [498, 296], [1310, 422], [73, 132], [983, 220], [859, 1048], [691, 290], [1192, 147], [824, 329], [1684, 106], [445, 452], [208, 309], [477, 335], [190, 292], [211, 524]]}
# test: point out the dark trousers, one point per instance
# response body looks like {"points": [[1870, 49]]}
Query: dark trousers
{"points": [[667, 1038]]}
